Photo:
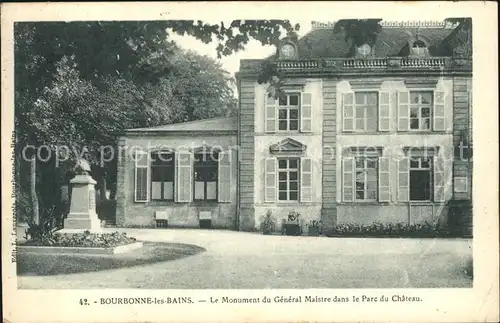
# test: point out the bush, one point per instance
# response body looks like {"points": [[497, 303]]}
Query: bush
{"points": [[85, 239], [377, 229]]}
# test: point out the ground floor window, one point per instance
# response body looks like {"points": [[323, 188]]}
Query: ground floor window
{"points": [[366, 178], [420, 179], [288, 179], [162, 176], [205, 176]]}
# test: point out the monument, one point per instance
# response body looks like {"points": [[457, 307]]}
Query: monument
{"points": [[82, 213]]}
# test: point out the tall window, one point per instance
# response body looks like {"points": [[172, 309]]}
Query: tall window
{"points": [[162, 176], [288, 179], [420, 110], [365, 114], [288, 112], [366, 178], [205, 176], [420, 178]]}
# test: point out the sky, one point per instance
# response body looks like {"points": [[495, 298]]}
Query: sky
{"points": [[253, 50]]}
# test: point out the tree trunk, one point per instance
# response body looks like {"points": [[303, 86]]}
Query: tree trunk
{"points": [[34, 196]]}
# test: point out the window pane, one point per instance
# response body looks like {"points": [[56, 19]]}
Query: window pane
{"points": [[426, 123], [371, 163], [293, 176], [360, 186], [294, 196], [211, 190], [414, 113], [426, 112], [413, 97], [156, 190], [414, 124], [360, 97], [360, 195], [294, 99], [360, 124], [294, 186], [414, 163], [283, 100], [282, 196], [282, 163], [294, 113], [425, 162], [426, 98], [282, 186], [360, 112], [372, 98], [293, 163], [282, 114], [199, 190], [360, 162], [282, 125], [168, 190], [283, 176], [294, 125], [371, 194]]}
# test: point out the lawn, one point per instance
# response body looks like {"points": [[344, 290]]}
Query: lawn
{"points": [[29, 264], [250, 260]]}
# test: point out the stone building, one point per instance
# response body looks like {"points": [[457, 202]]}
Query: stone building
{"points": [[364, 132]]}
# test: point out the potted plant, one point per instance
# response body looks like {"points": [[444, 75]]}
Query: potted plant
{"points": [[292, 224], [267, 226], [314, 228]]}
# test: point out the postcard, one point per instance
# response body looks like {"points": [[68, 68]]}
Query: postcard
{"points": [[250, 162]]}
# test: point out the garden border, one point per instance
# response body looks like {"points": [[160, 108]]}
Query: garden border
{"points": [[81, 250]]}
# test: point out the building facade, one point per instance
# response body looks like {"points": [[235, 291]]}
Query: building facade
{"points": [[361, 132]]}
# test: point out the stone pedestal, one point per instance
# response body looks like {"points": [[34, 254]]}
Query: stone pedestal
{"points": [[82, 215]]}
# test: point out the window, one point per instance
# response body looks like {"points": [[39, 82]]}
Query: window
{"points": [[288, 112], [288, 179], [366, 178], [365, 111], [162, 176], [420, 178], [205, 176], [420, 110], [419, 48]]}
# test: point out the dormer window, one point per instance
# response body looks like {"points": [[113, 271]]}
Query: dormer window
{"points": [[364, 50], [288, 51], [419, 48]]}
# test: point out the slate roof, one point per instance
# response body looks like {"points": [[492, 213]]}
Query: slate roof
{"points": [[326, 43], [207, 125]]}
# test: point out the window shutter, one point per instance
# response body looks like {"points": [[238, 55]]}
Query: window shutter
{"points": [[384, 179], [270, 110], [306, 112], [142, 175], [184, 176], [348, 179], [224, 180], [439, 122], [403, 111], [305, 179], [348, 111], [439, 179], [384, 111], [271, 179], [404, 179]]}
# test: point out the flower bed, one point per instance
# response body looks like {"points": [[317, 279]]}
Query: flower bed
{"points": [[85, 240], [417, 230]]}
